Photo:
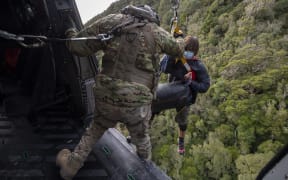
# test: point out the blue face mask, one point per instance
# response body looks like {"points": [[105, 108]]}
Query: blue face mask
{"points": [[188, 54]]}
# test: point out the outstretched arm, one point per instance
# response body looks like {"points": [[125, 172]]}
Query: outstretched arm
{"points": [[168, 44], [90, 46]]}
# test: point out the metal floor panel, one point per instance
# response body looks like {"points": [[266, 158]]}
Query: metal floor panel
{"points": [[28, 152]]}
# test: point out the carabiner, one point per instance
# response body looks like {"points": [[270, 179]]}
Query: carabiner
{"points": [[175, 4]]}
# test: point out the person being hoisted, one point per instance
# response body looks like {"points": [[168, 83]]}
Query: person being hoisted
{"points": [[188, 76]]}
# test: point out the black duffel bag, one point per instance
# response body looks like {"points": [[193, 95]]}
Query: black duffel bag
{"points": [[171, 95]]}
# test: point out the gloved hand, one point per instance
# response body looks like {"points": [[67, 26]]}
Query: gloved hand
{"points": [[69, 25], [178, 32], [188, 76], [175, 30], [71, 32]]}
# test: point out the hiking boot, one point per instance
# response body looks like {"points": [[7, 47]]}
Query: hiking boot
{"points": [[68, 163], [181, 148]]}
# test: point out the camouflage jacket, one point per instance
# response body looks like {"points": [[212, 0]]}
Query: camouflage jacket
{"points": [[133, 54]]}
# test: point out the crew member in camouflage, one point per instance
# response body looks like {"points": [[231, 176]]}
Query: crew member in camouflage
{"points": [[124, 89]]}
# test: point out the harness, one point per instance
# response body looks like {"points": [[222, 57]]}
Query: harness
{"points": [[125, 61]]}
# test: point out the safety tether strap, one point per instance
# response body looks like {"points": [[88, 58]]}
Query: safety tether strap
{"points": [[39, 41]]}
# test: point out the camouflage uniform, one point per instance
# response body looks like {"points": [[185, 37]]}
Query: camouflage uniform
{"points": [[124, 89]]}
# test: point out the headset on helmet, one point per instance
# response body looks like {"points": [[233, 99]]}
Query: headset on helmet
{"points": [[142, 12]]}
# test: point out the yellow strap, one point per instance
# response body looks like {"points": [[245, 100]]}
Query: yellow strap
{"points": [[175, 28], [184, 62]]}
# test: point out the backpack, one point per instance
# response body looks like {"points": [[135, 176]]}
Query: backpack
{"points": [[166, 64]]}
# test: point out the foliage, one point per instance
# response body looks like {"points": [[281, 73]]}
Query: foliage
{"points": [[212, 159], [249, 165]]}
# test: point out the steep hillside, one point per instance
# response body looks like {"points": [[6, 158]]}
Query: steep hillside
{"points": [[239, 124]]}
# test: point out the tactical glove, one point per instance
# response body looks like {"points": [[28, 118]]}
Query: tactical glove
{"points": [[175, 30], [71, 32], [178, 33], [69, 26]]}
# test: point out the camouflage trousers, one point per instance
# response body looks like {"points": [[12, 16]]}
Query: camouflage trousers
{"points": [[181, 117], [110, 108]]}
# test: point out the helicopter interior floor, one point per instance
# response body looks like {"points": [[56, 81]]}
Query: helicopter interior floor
{"points": [[29, 144]]}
